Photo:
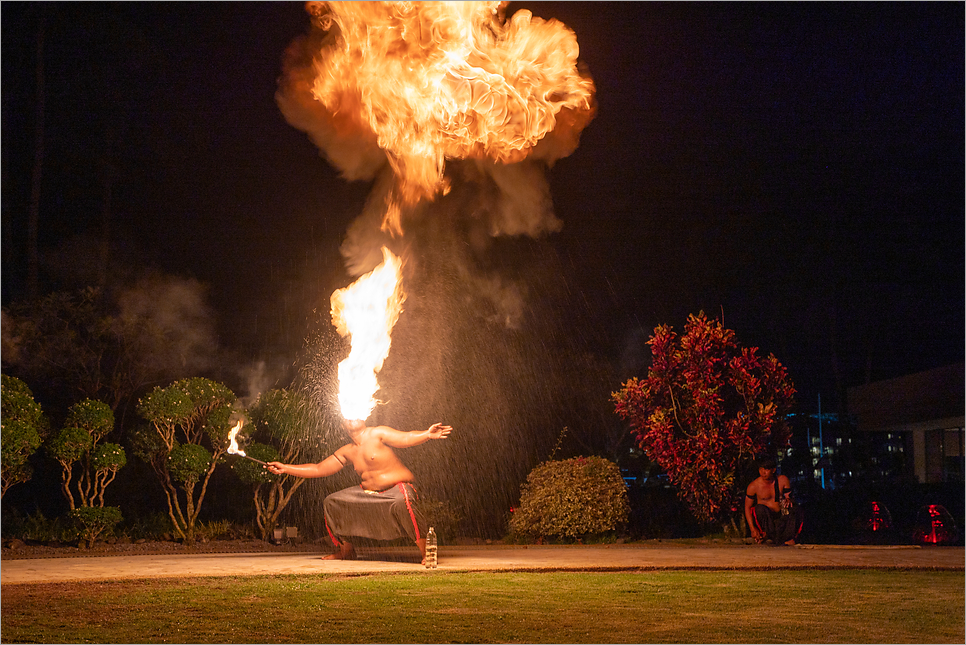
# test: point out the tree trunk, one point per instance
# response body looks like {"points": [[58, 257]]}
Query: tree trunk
{"points": [[174, 508], [65, 484]]}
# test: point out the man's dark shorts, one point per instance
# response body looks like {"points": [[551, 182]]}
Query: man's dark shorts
{"points": [[777, 527], [383, 515]]}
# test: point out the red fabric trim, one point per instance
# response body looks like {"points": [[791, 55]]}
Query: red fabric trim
{"points": [[332, 537], [409, 506], [754, 517]]}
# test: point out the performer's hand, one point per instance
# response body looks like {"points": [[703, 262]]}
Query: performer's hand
{"points": [[275, 467], [439, 431]]}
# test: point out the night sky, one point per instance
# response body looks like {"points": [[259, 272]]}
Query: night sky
{"points": [[796, 168]]}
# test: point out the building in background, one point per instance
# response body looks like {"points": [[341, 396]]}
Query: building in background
{"points": [[916, 422]]}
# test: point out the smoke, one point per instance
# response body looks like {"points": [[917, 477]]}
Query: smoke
{"points": [[11, 339], [346, 142], [170, 323], [260, 377]]}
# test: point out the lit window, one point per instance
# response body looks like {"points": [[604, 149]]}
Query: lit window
{"points": [[838, 441]]}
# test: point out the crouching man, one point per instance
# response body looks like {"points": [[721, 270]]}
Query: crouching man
{"points": [[771, 514], [384, 506]]}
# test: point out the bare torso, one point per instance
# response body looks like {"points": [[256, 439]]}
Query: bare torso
{"points": [[764, 490], [374, 461]]}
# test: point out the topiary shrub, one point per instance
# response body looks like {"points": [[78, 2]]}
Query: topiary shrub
{"points": [[69, 445], [190, 417], [188, 462], [22, 430], [92, 521], [108, 457], [253, 473], [571, 499]]}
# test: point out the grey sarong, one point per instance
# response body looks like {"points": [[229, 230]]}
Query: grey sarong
{"points": [[383, 515]]}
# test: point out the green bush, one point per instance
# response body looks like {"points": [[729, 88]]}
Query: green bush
{"points": [[573, 499], [108, 457], [36, 527], [92, 521], [69, 444], [23, 427], [149, 527], [214, 530], [188, 462], [254, 473], [19, 441], [18, 403], [96, 417]]}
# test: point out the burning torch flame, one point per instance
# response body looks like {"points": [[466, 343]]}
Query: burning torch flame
{"points": [[366, 311], [233, 448]]}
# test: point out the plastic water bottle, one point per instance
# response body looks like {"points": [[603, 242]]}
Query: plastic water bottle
{"points": [[431, 549]]}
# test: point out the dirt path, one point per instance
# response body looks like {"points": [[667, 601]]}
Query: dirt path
{"points": [[482, 558]]}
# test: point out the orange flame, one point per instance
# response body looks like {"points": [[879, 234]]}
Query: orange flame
{"points": [[432, 81], [233, 448], [366, 311]]}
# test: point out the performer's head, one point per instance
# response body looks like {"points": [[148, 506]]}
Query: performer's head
{"points": [[767, 466], [353, 425]]}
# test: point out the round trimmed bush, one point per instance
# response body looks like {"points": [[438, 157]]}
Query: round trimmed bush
{"points": [[188, 462], [575, 498]]}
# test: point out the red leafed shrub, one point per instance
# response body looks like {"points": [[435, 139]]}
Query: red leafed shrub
{"points": [[705, 410]]}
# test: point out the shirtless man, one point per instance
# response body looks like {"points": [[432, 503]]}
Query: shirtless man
{"points": [[763, 502], [384, 506]]}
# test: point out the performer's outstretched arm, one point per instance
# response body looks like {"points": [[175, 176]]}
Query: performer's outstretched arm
{"points": [[328, 466], [399, 439]]}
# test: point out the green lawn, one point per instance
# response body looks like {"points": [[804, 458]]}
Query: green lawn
{"points": [[840, 606]]}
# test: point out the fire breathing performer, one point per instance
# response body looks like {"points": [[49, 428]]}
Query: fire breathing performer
{"points": [[772, 515], [384, 506]]}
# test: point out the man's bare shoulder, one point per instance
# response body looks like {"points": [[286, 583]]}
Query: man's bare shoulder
{"points": [[380, 431], [346, 449]]}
